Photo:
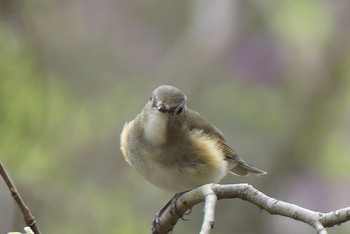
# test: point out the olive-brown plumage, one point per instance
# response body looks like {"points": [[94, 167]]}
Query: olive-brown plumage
{"points": [[177, 149]]}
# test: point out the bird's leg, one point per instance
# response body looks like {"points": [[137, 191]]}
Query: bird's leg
{"points": [[174, 211]]}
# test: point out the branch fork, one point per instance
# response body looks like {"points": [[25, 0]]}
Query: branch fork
{"points": [[210, 193]]}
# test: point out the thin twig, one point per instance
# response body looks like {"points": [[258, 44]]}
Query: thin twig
{"points": [[210, 192], [209, 210], [27, 215]]}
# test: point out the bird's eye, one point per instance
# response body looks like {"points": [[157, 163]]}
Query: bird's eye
{"points": [[179, 111], [151, 98]]}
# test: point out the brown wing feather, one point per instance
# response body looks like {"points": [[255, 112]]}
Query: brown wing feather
{"points": [[196, 121]]}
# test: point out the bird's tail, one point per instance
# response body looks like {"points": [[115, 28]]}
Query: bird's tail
{"points": [[244, 169]]}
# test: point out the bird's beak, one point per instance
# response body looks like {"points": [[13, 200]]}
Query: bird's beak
{"points": [[162, 108]]}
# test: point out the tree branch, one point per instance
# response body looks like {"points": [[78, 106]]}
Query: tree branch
{"points": [[209, 210], [27, 215], [211, 192]]}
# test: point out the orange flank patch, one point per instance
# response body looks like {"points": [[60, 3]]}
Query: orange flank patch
{"points": [[209, 149], [123, 140]]}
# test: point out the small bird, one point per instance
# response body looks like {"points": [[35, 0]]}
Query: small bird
{"points": [[177, 149]]}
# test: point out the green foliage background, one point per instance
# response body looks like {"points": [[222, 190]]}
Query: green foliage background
{"points": [[274, 76]]}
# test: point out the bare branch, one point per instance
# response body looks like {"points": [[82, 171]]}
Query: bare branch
{"points": [[211, 192], [209, 209], [27, 215]]}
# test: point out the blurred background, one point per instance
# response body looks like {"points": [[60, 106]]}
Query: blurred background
{"points": [[273, 75]]}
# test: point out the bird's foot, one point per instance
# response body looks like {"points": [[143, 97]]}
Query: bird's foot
{"points": [[156, 227]]}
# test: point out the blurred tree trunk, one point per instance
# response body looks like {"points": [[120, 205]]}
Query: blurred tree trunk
{"points": [[10, 12], [209, 34]]}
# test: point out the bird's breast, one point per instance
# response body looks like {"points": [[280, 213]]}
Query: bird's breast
{"points": [[174, 164], [155, 129]]}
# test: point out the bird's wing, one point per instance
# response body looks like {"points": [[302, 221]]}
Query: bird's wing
{"points": [[196, 121]]}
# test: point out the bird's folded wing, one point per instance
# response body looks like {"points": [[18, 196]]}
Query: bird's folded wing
{"points": [[196, 121], [239, 166]]}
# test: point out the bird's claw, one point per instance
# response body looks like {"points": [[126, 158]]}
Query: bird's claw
{"points": [[156, 224]]}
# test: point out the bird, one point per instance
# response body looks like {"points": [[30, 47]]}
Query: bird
{"points": [[177, 149]]}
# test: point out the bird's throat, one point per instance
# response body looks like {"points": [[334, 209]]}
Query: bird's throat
{"points": [[156, 128]]}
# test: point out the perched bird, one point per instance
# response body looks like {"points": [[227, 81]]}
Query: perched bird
{"points": [[177, 149]]}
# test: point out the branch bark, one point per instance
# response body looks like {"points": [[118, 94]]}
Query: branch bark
{"points": [[211, 192], [27, 215]]}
